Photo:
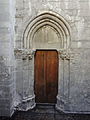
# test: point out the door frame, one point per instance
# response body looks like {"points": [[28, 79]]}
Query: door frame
{"points": [[25, 54], [57, 70]]}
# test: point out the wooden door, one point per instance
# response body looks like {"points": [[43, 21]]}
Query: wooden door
{"points": [[46, 76]]}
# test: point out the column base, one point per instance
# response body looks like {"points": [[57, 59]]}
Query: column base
{"points": [[62, 105], [26, 104]]}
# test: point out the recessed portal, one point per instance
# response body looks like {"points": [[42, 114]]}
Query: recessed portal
{"points": [[47, 69], [46, 76]]}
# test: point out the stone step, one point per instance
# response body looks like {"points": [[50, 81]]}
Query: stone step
{"points": [[45, 108], [45, 105]]}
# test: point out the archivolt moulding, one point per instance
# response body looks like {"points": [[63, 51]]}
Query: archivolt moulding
{"points": [[61, 26], [52, 19]]}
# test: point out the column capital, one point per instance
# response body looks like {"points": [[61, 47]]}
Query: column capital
{"points": [[24, 54], [64, 54]]}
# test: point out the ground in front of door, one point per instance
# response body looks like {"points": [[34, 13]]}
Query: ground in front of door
{"points": [[46, 113]]}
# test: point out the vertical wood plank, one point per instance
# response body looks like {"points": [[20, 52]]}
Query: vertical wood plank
{"points": [[46, 76]]}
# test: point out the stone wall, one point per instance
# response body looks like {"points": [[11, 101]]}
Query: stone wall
{"points": [[7, 81], [74, 85], [76, 13]]}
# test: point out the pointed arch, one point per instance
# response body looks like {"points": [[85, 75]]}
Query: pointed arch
{"points": [[48, 18]]}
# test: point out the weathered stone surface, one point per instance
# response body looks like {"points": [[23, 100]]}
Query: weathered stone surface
{"points": [[17, 65], [7, 76], [75, 13]]}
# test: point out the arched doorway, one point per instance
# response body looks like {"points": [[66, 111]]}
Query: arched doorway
{"points": [[46, 76], [45, 22], [48, 31]]}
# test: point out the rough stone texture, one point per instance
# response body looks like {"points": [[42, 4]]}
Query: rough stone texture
{"points": [[74, 77], [74, 88], [7, 83]]}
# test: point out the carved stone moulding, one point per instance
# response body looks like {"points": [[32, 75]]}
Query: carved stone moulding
{"points": [[24, 54], [52, 20], [26, 104], [55, 22], [64, 54]]}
